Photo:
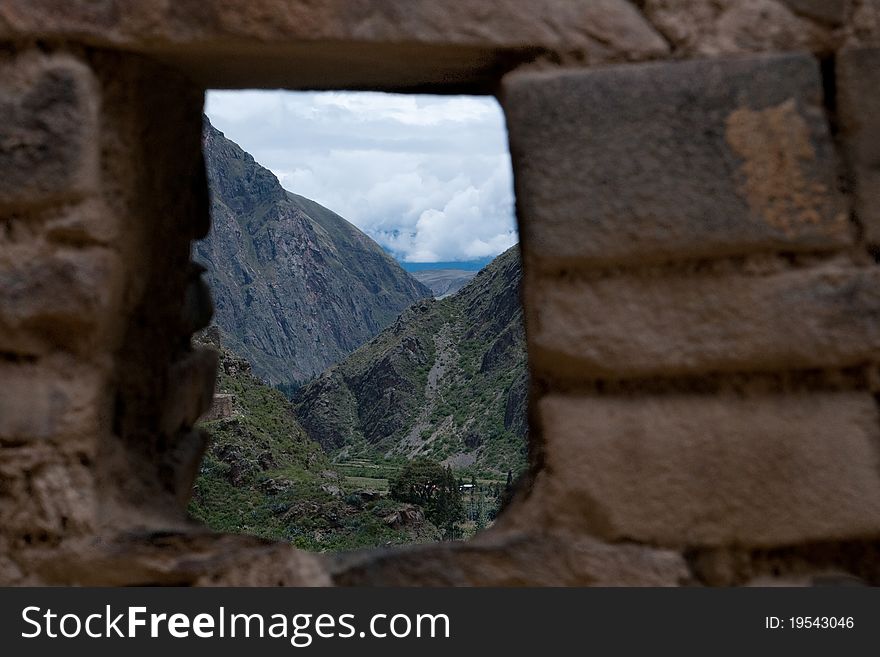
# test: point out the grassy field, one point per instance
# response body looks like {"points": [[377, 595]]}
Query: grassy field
{"points": [[363, 474], [366, 483]]}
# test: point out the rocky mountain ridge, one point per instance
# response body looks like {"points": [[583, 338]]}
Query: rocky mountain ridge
{"points": [[448, 380], [296, 287], [444, 282]]}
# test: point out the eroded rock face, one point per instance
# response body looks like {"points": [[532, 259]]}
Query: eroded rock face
{"points": [[296, 287], [449, 371]]}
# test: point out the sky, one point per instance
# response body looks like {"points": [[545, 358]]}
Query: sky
{"points": [[428, 177]]}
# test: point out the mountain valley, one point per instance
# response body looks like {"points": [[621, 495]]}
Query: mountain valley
{"points": [[347, 381]]}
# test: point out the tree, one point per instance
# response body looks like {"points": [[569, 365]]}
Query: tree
{"points": [[505, 496], [434, 488], [472, 502], [481, 512], [418, 482]]}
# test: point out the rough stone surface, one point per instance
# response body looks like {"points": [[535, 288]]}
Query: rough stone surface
{"points": [[648, 326], [41, 404], [513, 558], [660, 161], [56, 298], [11, 573], [87, 223], [391, 43], [704, 27], [222, 406], [190, 389], [640, 168], [181, 558], [832, 12], [44, 496], [48, 134], [150, 139], [689, 470], [858, 103], [864, 24], [825, 563]]}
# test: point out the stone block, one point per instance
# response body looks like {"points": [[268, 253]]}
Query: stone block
{"points": [[39, 404], [344, 43], [49, 148], [863, 24], [858, 103], [832, 12], [655, 326], [44, 495], [57, 300], [664, 161], [686, 470], [703, 28], [513, 558]]}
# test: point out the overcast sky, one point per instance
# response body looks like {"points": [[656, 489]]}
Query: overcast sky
{"points": [[428, 177]]}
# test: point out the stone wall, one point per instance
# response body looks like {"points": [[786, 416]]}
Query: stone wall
{"points": [[697, 195], [221, 407]]}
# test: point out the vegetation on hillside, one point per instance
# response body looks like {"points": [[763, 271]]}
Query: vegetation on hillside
{"points": [[410, 439], [440, 393], [434, 488], [262, 475], [447, 381]]}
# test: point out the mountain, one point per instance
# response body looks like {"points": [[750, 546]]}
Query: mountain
{"points": [[448, 380], [465, 265], [296, 287], [444, 282], [262, 475]]}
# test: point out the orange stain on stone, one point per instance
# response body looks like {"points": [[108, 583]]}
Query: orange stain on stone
{"points": [[774, 143]]}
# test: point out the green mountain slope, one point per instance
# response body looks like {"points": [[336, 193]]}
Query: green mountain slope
{"points": [[447, 380], [296, 287], [262, 475]]}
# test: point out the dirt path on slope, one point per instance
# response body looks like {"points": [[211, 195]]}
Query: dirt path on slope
{"points": [[444, 353]]}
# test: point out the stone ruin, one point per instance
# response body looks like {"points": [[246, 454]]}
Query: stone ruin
{"points": [[698, 188], [222, 407]]}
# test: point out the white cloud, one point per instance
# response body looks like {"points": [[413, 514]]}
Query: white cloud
{"points": [[427, 177], [408, 110]]}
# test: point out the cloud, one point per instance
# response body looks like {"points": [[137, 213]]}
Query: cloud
{"points": [[427, 177]]}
